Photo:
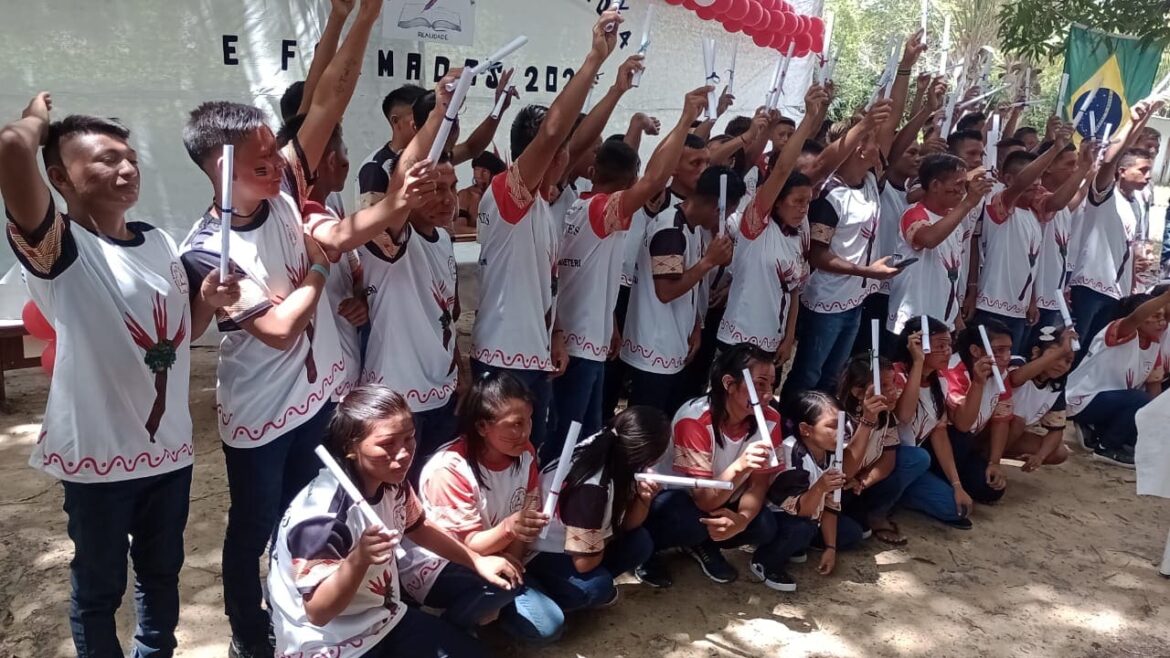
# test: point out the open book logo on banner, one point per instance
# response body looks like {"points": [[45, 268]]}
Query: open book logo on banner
{"points": [[445, 21]]}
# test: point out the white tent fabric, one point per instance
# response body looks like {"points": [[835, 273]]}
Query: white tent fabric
{"points": [[1152, 452], [149, 63]]}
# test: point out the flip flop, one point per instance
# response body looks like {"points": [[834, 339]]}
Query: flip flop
{"points": [[891, 535]]}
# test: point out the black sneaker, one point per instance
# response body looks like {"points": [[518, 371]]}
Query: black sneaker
{"points": [[777, 579], [799, 558], [1122, 457], [711, 560], [240, 649], [1089, 439], [654, 573]]}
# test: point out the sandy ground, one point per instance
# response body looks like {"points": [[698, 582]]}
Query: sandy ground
{"points": [[1065, 566]]}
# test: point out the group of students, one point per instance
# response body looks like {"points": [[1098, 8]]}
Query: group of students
{"points": [[683, 288]]}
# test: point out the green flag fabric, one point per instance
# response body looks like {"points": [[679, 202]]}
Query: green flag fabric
{"points": [[1107, 73]]}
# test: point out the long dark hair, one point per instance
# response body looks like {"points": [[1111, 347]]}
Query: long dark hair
{"points": [[487, 397], [902, 356], [629, 443], [731, 363], [859, 374], [354, 419], [808, 407], [970, 337]]}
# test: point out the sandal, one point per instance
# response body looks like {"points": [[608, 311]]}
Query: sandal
{"points": [[890, 535]]}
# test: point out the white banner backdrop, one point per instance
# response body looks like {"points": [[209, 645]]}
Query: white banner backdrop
{"points": [[149, 62]]}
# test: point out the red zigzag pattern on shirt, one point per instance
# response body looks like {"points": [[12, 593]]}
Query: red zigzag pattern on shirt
{"points": [[314, 397], [129, 465]]}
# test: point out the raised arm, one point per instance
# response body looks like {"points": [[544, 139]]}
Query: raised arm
{"points": [[532, 164], [480, 138], [332, 95], [929, 236], [640, 124], [1028, 177], [910, 54], [1062, 197], [839, 151], [909, 133], [665, 158], [1126, 137], [26, 195], [816, 103], [1128, 325], [326, 49], [587, 134]]}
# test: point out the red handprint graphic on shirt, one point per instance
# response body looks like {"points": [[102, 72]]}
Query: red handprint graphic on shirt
{"points": [[161, 353]]}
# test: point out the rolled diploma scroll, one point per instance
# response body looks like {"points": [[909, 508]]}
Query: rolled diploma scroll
{"points": [[761, 422], [839, 453], [1104, 144], [722, 202], [874, 333], [348, 486], [712, 78], [226, 210], [615, 5], [1060, 93], [784, 70], [496, 57], [684, 482], [1067, 317], [946, 44], [731, 71], [994, 368], [1084, 107], [645, 45], [923, 21], [562, 472], [450, 114], [500, 104], [772, 91], [925, 336], [991, 153]]}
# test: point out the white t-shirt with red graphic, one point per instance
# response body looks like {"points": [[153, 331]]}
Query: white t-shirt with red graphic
{"points": [[460, 503], [769, 265], [589, 268], [118, 399], [695, 452], [993, 405], [846, 219], [932, 285], [344, 282], [1011, 240], [1105, 261], [1114, 363], [413, 309], [518, 238], [656, 335], [1052, 270]]}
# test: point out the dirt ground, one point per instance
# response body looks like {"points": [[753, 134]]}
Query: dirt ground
{"points": [[1065, 566]]}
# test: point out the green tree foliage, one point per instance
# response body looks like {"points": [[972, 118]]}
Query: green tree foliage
{"points": [[1037, 28]]}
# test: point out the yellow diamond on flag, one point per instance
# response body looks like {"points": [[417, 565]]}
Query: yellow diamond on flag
{"points": [[1100, 101]]}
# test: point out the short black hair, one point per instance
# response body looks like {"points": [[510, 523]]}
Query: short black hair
{"points": [[693, 141], [79, 124], [615, 161], [616, 137], [812, 147], [525, 127], [404, 95], [1132, 155], [968, 121], [290, 101], [1129, 304], [422, 108], [795, 180], [708, 185], [1008, 142], [738, 126], [1023, 131], [490, 161], [1150, 131], [786, 121], [292, 126], [934, 167], [956, 138], [1047, 144], [1017, 161], [215, 124]]}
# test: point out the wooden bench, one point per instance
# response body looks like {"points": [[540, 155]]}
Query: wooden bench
{"points": [[12, 352]]}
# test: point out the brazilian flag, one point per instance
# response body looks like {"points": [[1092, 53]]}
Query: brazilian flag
{"points": [[1111, 72]]}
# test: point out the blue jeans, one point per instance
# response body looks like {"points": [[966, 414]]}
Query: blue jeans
{"points": [[1091, 312], [824, 342], [972, 468], [1112, 414], [911, 462], [795, 534], [262, 482], [933, 496], [557, 577], [103, 517], [674, 523], [420, 635], [432, 429], [577, 396], [465, 599], [533, 617], [1017, 327], [538, 385]]}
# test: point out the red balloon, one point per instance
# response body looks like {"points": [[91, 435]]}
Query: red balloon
{"points": [[778, 42], [805, 23], [739, 10], [730, 25], [755, 13], [765, 22], [705, 13], [35, 322], [49, 357], [762, 39], [816, 25], [690, 4], [721, 6], [803, 43], [818, 44], [778, 22]]}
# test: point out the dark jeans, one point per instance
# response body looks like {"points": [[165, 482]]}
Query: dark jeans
{"points": [[466, 599], [615, 370], [419, 635], [1111, 414], [875, 307], [262, 482], [103, 518], [878, 500], [674, 523], [538, 385], [971, 466], [655, 390], [432, 429], [577, 395], [1017, 327], [795, 534], [559, 579], [697, 375], [1091, 312], [823, 344]]}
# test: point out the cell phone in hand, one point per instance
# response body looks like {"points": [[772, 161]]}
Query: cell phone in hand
{"points": [[900, 262]]}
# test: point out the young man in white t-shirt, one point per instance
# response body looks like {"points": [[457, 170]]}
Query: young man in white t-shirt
{"points": [[1103, 272], [590, 266], [117, 429], [518, 236]]}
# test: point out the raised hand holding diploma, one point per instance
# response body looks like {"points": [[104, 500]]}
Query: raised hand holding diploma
{"points": [[562, 472], [1067, 318], [994, 367], [450, 115], [839, 453], [712, 78], [1060, 93], [228, 162], [350, 488], [644, 47], [925, 336], [761, 422]]}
